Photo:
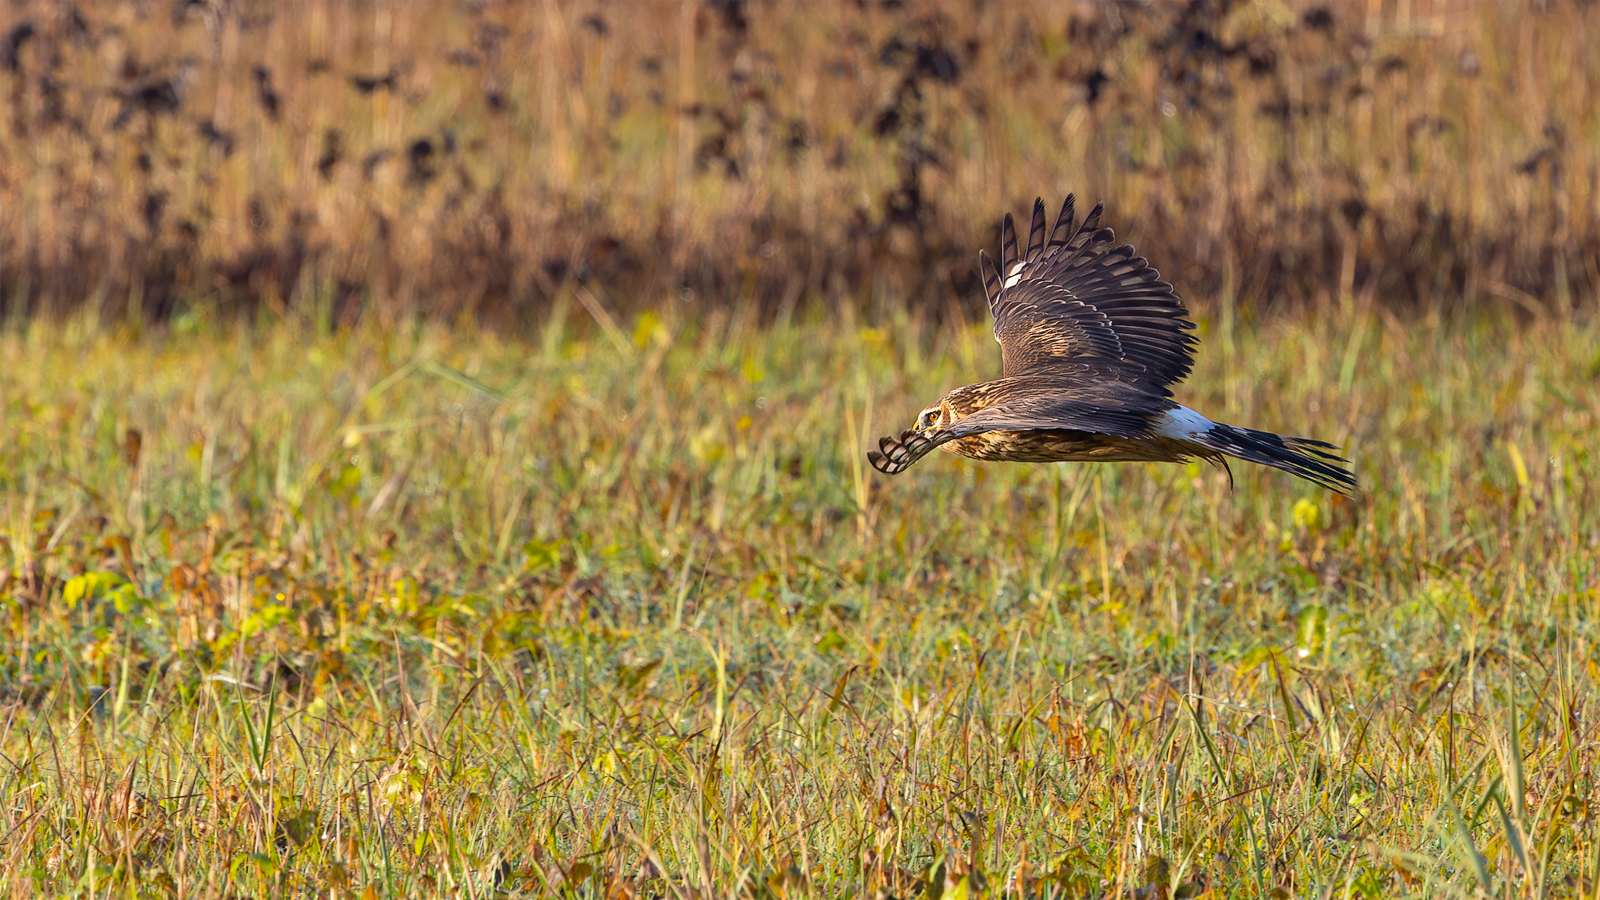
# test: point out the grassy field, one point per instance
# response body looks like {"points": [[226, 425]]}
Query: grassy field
{"points": [[432, 453], [416, 612]]}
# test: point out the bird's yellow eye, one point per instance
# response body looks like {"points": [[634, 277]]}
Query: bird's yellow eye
{"points": [[927, 419]]}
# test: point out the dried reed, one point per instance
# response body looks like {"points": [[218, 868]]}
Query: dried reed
{"points": [[335, 160]]}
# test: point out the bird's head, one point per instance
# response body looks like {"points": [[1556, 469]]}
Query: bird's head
{"points": [[939, 415]]}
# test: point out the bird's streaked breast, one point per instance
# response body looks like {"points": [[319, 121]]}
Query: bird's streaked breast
{"points": [[1066, 445]]}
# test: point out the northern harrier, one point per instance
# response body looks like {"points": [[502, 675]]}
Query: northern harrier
{"points": [[1091, 341]]}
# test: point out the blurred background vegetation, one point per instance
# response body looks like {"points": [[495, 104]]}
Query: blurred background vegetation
{"points": [[487, 162], [306, 590]]}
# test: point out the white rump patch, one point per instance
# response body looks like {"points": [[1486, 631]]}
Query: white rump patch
{"points": [[1183, 423]]}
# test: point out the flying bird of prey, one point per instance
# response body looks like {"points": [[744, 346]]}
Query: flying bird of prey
{"points": [[1091, 341]]}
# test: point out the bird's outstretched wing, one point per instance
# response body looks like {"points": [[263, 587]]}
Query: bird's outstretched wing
{"points": [[1100, 405], [898, 455], [1076, 295]]}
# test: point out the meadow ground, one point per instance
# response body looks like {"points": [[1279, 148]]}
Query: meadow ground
{"points": [[415, 613]]}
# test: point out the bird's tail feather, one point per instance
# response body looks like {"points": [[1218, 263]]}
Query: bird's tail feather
{"points": [[1310, 459]]}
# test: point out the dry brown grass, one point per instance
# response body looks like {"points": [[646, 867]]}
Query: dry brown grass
{"points": [[484, 159]]}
